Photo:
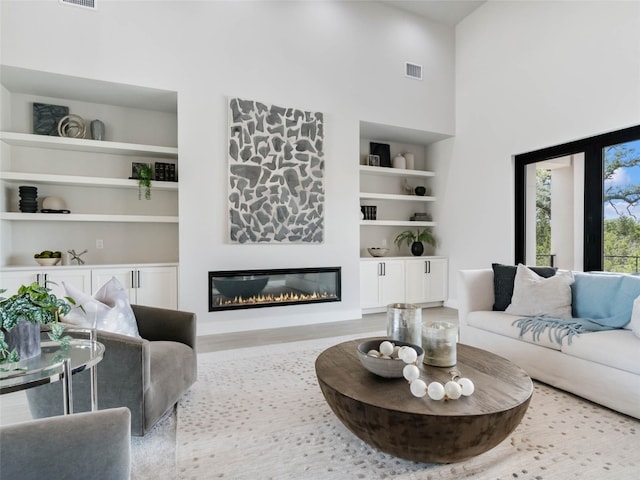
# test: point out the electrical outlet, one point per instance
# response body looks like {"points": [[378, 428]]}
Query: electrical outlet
{"points": [[99, 244]]}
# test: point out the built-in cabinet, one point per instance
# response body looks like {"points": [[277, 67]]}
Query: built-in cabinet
{"points": [[152, 285], [92, 177], [419, 280]]}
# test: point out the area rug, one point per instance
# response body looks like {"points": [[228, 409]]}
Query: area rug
{"points": [[258, 413]]}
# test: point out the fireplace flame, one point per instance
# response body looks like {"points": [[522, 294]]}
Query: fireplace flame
{"points": [[280, 298]]}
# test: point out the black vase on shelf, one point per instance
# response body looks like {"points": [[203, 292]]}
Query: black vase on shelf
{"points": [[417, 248], [28, 199]]}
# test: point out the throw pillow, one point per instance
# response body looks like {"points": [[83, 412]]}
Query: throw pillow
{"points": [[503, 277], [109, 307], [634, 324], [534, 295]]}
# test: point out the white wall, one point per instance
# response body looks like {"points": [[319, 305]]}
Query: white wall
{"points": [[345, 59], [528, 75]]}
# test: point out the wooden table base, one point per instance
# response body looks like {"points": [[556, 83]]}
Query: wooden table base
{"points": [[383, 413]]}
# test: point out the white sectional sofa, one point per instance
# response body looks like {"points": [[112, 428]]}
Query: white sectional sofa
{"points": [[601, 366]]}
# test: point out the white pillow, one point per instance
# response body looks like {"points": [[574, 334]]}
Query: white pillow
{"points": [[109, 307], [634, 323], [534, 295]]}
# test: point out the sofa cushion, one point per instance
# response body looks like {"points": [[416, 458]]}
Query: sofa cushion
{"points": [[634, 324], [614, 348], [503, 278], [534, 295], [605, 296], [502, 323]]}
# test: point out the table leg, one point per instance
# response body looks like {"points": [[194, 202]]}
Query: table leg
{"points": [[67, 393]]}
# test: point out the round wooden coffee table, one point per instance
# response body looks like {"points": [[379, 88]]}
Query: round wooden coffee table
{"points": [[383, 413]]}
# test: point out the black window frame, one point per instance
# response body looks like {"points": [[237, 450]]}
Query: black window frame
{"points": [[592, 148]]}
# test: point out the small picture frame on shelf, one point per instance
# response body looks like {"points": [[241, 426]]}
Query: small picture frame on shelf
{"points": [[135, 169], [383, 150], [373, 160]]}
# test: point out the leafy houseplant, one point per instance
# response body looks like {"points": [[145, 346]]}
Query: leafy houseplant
{"points": [[33, 304], [414, 239], [144, 181]]}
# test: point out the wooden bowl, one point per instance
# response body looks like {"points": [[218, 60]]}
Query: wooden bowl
{"points": [[385, 367], [377, 252]]}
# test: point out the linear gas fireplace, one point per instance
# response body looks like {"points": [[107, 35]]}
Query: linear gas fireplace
{"points": [[236, 289]]}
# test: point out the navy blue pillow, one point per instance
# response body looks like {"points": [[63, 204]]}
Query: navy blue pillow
{"points": [[503, 278]]}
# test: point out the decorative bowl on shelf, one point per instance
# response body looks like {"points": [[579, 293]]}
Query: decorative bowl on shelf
{"points": [[47, 262], [377, 252], [385, 367]]}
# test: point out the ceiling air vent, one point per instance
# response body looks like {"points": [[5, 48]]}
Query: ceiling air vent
{"points": [[413, 70], [81, 3]]}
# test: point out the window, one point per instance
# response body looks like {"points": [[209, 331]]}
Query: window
{"points": [[577, 205]]}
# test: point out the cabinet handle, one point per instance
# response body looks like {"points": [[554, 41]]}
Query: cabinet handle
{"points": [[133, 280], [139, 285], [384, 269], [428, 266], [45, 280]]}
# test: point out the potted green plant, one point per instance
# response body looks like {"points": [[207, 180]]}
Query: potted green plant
{"points": [[21, 316], [144, 180], [414, 239]]}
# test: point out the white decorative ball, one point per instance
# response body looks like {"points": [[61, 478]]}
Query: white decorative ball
{"points": [[410, 372], [386, 348], [467, 386], [453, 390], [418, 388], [408, 354], [435, 390], [395, 353], [373, 353]]}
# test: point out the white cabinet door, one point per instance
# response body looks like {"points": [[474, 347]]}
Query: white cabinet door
{"points": [[51, 278], [157, 287], [426, 280], [125, 275], [369, 284], [438, 280], [79, 279], [416, 281], [11, 281], [392, 282]]}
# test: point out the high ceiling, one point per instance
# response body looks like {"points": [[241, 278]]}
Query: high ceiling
{"points": [[449, 12]]}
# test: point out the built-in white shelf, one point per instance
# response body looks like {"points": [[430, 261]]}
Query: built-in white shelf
{"points": [[85, 145], [396, 223], [79, 181], [397, 172], [83, 217], [392, 196]]}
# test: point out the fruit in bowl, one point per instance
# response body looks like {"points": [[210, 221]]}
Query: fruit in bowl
{"points": [[48, 258]]}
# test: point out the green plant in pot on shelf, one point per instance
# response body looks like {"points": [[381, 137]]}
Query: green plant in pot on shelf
{"points": [[144, 181], [414, 239], [21, 316]]}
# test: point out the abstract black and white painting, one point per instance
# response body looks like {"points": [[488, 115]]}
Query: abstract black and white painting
{"points": [[276, 173]]}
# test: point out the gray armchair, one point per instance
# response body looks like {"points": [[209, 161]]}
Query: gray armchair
{"points": [[95, 445], [146, 375]]}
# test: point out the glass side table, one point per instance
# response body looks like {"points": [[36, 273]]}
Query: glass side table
{"points": [[57, 363]]}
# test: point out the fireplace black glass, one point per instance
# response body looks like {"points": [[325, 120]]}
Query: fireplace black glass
{"points": [[237, 289]]}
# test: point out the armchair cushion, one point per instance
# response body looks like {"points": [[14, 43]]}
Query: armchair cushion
{"points": [[92, 445], [110, 306]]}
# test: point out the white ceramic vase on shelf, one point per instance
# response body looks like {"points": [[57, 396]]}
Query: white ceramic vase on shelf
{"points": [[399, 161], [410, 159]]}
